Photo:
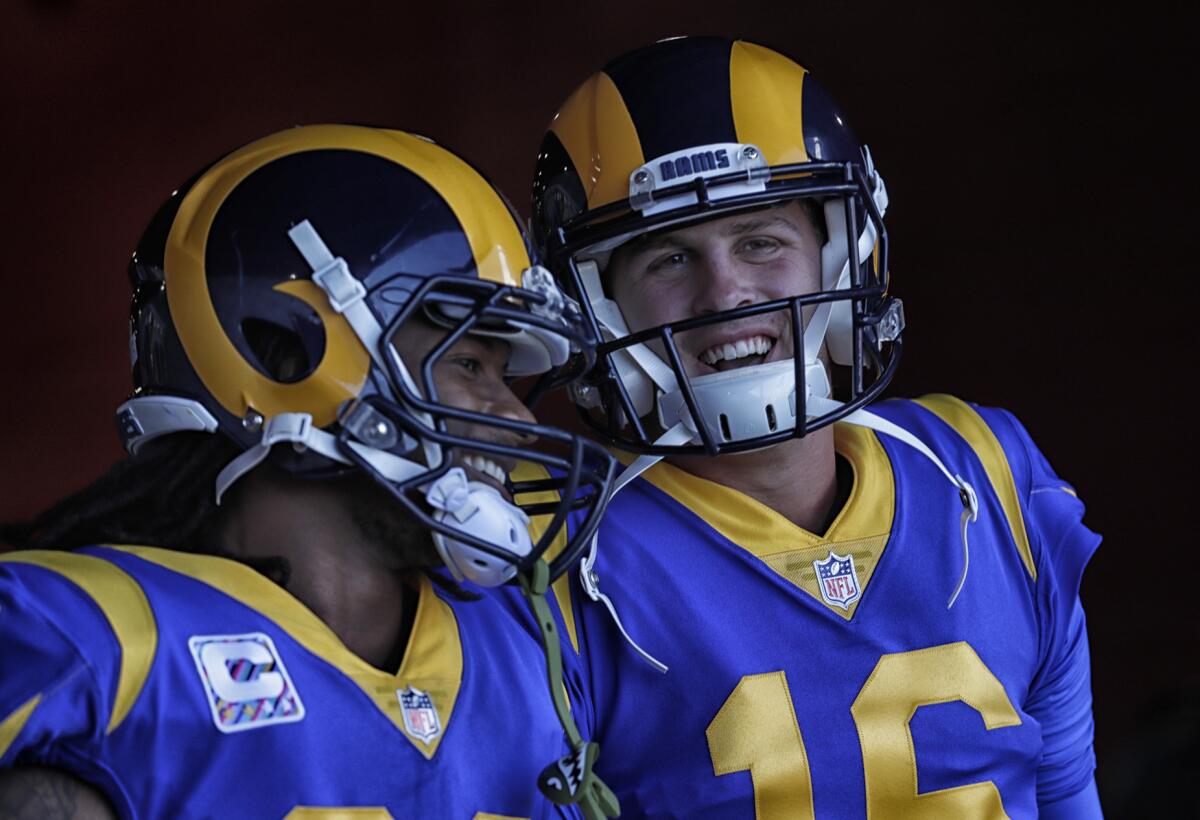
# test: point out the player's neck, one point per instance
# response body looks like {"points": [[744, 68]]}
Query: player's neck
{"points": [[797, 479], [335, 569]]}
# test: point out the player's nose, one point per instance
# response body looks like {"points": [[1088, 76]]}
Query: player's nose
{"points": [[720, 284]]}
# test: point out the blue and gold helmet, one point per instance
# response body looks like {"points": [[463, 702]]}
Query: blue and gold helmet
{"points": [[267, 293], [692, 129]]}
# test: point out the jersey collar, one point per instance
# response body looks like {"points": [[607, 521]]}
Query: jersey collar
{"points": [[433, 660]]}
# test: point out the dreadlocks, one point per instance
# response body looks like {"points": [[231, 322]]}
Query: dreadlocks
{"points": [[163, 496]]}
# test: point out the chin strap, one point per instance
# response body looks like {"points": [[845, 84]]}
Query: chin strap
{"points": [[571, 779], [679, 434], [477, 509], [298, 429]]}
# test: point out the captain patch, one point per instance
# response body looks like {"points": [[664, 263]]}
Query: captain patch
{"points": [[245, 681]]}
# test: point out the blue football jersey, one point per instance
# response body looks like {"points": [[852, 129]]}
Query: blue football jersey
{"points": [[825, 675], [191, 686]]}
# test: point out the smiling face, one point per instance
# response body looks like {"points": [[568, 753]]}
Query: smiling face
{"points": [[713, 266], [470, 376]]}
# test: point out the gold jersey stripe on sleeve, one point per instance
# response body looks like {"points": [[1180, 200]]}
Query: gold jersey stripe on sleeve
{"points": [[526, 471], [125, 608], [12, 725], [339, 813], [968, 424]]}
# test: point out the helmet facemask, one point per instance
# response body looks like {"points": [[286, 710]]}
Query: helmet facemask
{"points": [[480, 533], [641, 389]]}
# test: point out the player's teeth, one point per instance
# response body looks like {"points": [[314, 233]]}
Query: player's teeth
{"points": [[495, 471], [752, 346], [486, 466]]}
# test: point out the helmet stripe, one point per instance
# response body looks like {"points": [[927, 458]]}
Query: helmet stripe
{"points": [[496, 241], [497, 247], [221, 367], [690, 85], [595, 127], [766, 95]]}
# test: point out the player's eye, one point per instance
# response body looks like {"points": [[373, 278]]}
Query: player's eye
{"points": [[759, 244], [468, 363], [668, 261]]}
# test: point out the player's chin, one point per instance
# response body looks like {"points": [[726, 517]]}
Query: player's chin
{"points": [[400, 540]]}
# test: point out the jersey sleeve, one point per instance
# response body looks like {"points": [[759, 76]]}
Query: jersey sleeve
{"points": [[54, 696], [1060, 696]]}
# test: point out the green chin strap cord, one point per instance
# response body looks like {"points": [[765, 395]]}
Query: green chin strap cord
{"points": [[571, 779]]}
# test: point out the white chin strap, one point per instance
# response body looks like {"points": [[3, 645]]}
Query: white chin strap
{"points": [[477, 509], [470, 507]]}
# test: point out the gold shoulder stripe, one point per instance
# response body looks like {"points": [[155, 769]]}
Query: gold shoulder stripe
{"points": [[12, 725], [125, 607], [338, 813], [861, 529], [526, 471], [968, 424]]}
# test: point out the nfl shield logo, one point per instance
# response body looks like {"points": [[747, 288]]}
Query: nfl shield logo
{"points": [[420, 715], [838, 580]]}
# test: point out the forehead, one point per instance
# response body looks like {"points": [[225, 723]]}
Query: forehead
{"points": [[790, 216], [419, 335]]}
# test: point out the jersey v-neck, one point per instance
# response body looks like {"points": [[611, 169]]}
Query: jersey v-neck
{"points": [[433, 660], [860, 530]]}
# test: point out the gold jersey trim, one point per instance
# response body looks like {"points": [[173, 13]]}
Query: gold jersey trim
{"points": [[968, 424], [12, 725], [433, 660], [862, 527], [124, 606]]}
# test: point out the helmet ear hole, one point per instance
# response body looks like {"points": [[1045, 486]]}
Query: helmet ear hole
{"points": [[278, 351]]}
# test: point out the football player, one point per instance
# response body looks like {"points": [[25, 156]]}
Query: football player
{"points": [[862, 608], [271, 608]]}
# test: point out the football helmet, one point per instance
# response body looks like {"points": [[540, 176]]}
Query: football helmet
{"points": [[322, 242], [692, 129]]}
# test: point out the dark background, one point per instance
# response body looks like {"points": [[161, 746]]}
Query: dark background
{"points": [[1041, 227]]}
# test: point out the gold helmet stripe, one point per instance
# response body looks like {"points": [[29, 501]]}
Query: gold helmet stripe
{"points": [[766, 94], [495, 239], [595, 128]]}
